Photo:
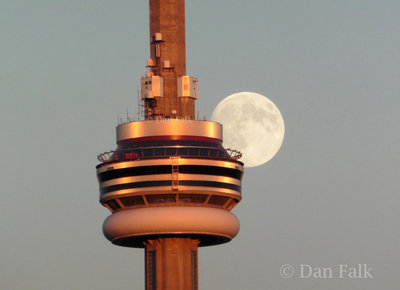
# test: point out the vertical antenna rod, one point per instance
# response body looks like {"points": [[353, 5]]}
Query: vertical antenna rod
{"points": [[168, 19], [172, 93]]}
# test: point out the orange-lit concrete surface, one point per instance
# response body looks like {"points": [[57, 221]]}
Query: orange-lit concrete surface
{"points": [[168, 53], [171, 263], [169, 127], [134, 226]]}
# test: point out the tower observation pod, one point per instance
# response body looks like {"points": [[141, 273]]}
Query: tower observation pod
{"points": [[170, 184]]}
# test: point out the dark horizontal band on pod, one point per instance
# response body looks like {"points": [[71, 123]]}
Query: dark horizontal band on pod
{"points": [[166, 169], [144, 184]]}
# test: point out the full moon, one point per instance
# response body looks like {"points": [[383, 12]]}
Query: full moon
{"points": [[252, 124]]}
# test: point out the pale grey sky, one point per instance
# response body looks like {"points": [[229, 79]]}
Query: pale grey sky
{"points": [[330, 196]]}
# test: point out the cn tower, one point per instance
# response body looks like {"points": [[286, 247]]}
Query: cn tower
{"points": [[170, 184]]}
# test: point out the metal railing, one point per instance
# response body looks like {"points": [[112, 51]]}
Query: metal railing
{"points": [[168, 151]]}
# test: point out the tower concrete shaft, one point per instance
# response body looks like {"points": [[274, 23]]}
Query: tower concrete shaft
{"points": [[167, 17], [171, 264], [168, 60]]}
